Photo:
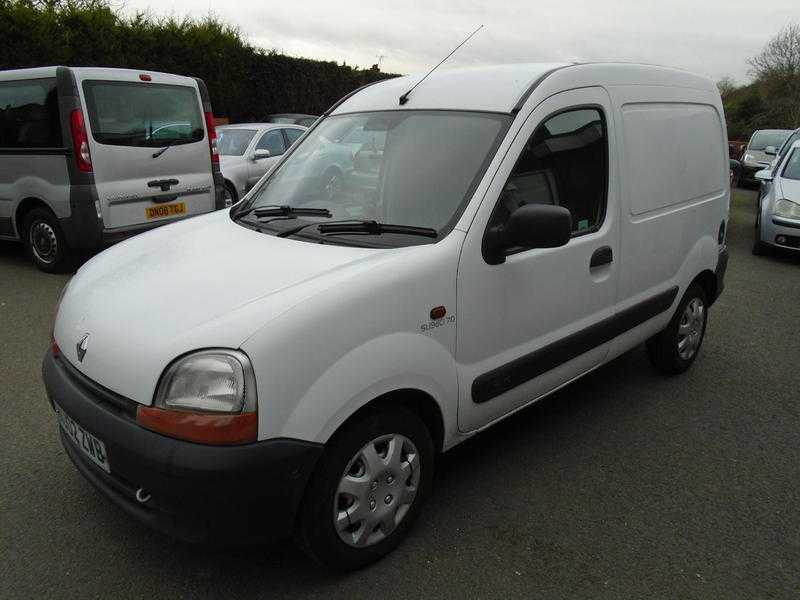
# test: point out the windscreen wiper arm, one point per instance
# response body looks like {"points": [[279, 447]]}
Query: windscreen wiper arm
{"points": [[288, 211], [282, 211], [161, 151], [360, 226]]}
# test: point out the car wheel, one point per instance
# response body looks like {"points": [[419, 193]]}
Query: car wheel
{"points": [[45, 241], [231, 197], [367, 489], [675, 348]]}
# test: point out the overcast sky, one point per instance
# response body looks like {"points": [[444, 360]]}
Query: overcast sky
{"points": [[711, 37]]}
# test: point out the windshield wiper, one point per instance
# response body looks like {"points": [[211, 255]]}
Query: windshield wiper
{"points": [[275, 210], [362, 226], [288, 211], [158, 153]]}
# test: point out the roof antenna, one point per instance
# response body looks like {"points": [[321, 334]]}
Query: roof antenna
{"points": [[404, 97]]}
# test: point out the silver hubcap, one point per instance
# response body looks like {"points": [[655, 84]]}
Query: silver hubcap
{"points": [[376, 490], [690, 329], [43, 241]]}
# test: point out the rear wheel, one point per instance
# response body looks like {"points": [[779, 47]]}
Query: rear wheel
{"points": [[674, 349], [367, 489], [45, 241]]}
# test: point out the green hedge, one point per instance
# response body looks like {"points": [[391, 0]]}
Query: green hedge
{"points": [[245, 83]]}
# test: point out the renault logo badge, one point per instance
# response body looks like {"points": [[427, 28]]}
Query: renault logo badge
{"points": [[81, 347]]}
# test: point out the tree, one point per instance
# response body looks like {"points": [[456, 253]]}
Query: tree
{"points": [[726, 87], [777, 70]]}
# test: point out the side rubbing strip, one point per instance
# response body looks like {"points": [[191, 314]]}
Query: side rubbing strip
{"points": [[500, 380]]}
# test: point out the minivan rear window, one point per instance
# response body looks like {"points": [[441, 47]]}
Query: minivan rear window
{"points": [[123, 113]]}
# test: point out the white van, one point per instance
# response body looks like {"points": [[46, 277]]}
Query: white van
{"points": [[89, 156], [498, 233]]}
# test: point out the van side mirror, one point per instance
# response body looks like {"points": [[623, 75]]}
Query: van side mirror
{"points": [[771, 150], [261, 153], [530, 226], [763, 175]]}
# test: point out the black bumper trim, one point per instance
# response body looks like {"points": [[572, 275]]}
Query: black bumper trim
{"points": [[199, 493], [719, 272]]}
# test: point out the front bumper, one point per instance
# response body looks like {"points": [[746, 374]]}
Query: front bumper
{"points": [[781, 232], [198, 493]]}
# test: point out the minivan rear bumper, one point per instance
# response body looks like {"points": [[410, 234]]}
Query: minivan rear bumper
{"points": [[197, 493]]}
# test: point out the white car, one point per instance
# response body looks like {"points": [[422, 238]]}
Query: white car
{"points": [[778, 216], [248, 151], [294, 364]]}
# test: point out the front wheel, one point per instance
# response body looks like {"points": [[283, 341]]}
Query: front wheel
{"points": [[367, 489], [45, 241], [674, 349]]}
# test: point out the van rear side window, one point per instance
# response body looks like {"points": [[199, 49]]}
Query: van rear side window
{"points": [[29, 114], [125, 113]]}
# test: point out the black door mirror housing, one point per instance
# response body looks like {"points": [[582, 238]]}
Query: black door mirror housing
{"points": [[530, 226]]}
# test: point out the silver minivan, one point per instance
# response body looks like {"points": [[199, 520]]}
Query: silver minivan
{"points": [[90, 156]]}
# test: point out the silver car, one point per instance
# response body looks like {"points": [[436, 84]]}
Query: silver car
{"points": [[249, 150], [760, 151], [778, 217]]}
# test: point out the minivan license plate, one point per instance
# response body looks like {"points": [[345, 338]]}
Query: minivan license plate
{"points": [[165, 210], [91, 447]]}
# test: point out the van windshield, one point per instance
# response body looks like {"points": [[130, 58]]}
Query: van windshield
{"points": [[123, 113], [413, 168]]}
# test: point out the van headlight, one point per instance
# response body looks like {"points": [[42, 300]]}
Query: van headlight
{"points": [[786, 209], [207, 396]]}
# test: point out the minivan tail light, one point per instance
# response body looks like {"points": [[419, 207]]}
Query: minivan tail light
{"points": [[80, 141], [212, 136]]}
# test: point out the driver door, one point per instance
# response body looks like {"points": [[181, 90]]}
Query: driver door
{"points": [[538, 319]]}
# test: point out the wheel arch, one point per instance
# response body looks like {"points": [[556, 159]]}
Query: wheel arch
{"points": [[417, 401], [25, 206], [708, 281]]}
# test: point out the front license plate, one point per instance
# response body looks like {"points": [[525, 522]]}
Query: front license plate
{"points": [[165, 210], [91, 447]]}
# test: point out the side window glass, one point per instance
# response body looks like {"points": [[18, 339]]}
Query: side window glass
{"points": [[29, 114], [272, 141], [293, 134], [564, 163]]}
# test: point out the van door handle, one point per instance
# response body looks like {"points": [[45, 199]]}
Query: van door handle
{"points": [[164, 184], [601, 256]]}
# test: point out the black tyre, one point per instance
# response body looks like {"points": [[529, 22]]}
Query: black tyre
{"points": [[231, 197], [367, 489], [674, 349], [45, 242]]}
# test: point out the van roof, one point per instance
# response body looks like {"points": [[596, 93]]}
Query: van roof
{"points": [[500, 88], [94, 73]]}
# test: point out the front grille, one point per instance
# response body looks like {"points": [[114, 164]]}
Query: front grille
{"points": [[111, 400]]}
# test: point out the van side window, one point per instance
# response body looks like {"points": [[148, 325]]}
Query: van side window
{"points": [[272, 141], [564, 163], [29, 114]]}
